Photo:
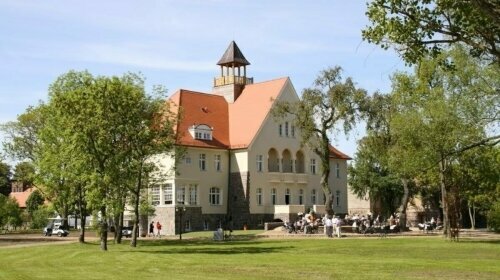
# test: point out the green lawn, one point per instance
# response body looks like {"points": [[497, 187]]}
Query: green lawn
{"points": [[249, 258]]}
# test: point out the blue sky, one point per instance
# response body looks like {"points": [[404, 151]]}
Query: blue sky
{"points": [[178, 43]]}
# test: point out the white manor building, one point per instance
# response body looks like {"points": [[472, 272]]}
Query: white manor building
{"points": [[241, 167]]}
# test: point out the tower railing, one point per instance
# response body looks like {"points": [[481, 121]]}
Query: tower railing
{"points": [[228, 80]]}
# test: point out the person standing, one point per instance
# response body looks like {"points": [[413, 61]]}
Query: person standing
{"points": [[327, 221], [158, 228], [151, 229]]}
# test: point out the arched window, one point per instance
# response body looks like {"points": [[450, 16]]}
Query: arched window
{"points": [[273, 164], [299, 162], [287, 161], [288, 197], [215, 196]]}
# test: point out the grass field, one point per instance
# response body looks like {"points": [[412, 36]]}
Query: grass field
{"points": [[253, 258]]}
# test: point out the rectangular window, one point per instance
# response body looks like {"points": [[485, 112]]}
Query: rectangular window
{"points": [[281, 130], [218, 163], [293, 130], [167, 194], [301, 196], [259, 163], [181, 193], [155, 195], [214, 196], [313, 166], [193, 194], [273, 196], [259, 196], [198, 135], [338, 198], [313, 197], [337, 170], [187, 159], [286, 129], [202, 162]]}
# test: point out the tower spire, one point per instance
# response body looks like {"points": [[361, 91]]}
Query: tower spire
{"points": [[230, 84]]}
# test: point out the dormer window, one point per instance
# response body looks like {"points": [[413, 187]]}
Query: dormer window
{"points": [[201, 132]]}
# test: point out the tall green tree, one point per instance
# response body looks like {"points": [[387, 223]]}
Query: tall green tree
{"points": [[10, 213], [25, 172], [34, 201], [331, 104], [440, 115], [418, 28], [103, 116], [5, 176]]}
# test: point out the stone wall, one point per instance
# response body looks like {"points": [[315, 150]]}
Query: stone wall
{"points": [[238, 200]]}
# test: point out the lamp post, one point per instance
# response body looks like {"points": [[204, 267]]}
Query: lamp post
{"points": [[180, 210]]}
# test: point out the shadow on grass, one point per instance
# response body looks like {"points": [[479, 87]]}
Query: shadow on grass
{"points": [[216, 250], [466, 240]]}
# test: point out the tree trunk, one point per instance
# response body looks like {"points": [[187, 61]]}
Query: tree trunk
{"points": [[472, 216], [137, 197], [444, 198], [83, 215], [104, 229], [404, 205]]}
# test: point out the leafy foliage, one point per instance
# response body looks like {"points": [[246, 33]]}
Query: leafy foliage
{"points": [[332, 104], [34, 201], [5, 176], [417, 28], [10, 213]]}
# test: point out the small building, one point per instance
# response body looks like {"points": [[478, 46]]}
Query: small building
{"points": [[241, 168], [20, 192]]}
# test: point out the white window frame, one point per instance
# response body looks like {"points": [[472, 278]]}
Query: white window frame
{"points": [[312, 166], [193, 194], [218, 163], [259, 196], [215, 196], [155, 195], [180, 195], [260, 163], [168, 194], [202, 162]]}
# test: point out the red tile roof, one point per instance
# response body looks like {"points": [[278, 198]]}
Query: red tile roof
{"points": [[202, 108], [21, 197], [248, 112], [334, 153], [234, 125]]}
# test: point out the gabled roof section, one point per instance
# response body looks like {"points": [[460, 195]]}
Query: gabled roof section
{"points": [[233, 55], [248, 112], [202, 108], [21, 197], [334, 153]]}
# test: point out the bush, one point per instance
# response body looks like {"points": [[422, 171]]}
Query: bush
{"points": [[494, 217], [40, 218]]}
